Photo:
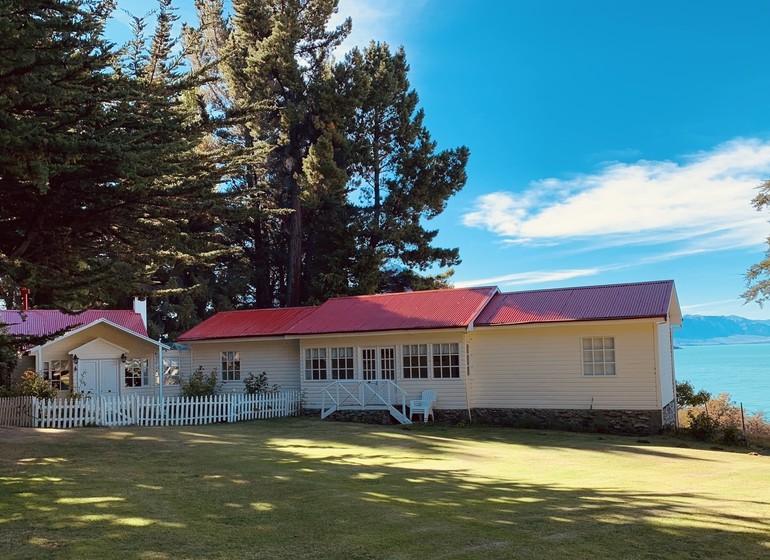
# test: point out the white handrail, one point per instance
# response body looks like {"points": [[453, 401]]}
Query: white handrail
{"points": [[360, 393]]}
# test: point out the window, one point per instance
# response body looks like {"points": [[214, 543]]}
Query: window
{"points": [[342, 363], [315, 363], [137, 373], [378, 363], [57, 374], [387, 363], [415, 361], [231, 366], [599, 356], [446, 360]]}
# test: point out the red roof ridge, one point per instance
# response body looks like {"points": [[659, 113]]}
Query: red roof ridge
{"points": [[443, 290], [592, 287], [266, 309]]}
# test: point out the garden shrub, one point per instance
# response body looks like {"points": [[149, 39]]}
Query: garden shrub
{"points": [[199, 384], [719, 419], [258, 384], [702, 426], [32, 385]]}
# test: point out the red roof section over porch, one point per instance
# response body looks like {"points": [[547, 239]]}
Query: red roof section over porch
{"points": [[431, 309]]}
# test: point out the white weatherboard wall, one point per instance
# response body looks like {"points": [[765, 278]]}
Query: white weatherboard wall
{"points": [[666, 360], [541, 367], [101, 341], [276, 357], [450, 392]]}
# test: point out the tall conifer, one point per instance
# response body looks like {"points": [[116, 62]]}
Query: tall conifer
{"points": [[402, 178], [100, 173]]}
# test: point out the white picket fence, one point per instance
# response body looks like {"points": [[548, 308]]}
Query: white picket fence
{"points": [[135, 410]]}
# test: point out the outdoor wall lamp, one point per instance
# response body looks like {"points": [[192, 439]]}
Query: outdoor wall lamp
{"points": [[123, 359], [75, 359]]}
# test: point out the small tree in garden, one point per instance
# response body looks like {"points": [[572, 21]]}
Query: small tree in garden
{"points": [[258, 384], [718, 418], [199, 384], [33, 385], [687, 397]]}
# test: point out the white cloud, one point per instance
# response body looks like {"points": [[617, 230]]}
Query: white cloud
{"points": [[705, 199], [532, 277], [378, 20]]}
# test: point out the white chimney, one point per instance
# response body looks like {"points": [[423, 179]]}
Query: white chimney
{"points": [[140, 306]]}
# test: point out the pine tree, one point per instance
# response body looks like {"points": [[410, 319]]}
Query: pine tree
{"points": [[401, 177], [101, 173], [758, 276], [298, 137], [286, 53], [268, 66]]}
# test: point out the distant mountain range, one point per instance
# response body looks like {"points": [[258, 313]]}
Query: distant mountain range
{"points": [[720, 329]]}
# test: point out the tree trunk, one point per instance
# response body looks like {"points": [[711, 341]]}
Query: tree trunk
{"points": [[294, 257]]}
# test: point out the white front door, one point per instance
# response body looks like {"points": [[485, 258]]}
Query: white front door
{"points": [[378, 363], [99, 377]]}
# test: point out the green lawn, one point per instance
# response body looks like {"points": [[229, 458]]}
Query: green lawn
{"points": [[303, 488]]}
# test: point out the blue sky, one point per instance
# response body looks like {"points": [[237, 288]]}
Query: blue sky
{"points": [[610, 141]]}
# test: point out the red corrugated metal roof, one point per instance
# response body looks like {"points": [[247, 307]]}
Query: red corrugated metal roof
{"points": [[247, 323], [41, 322], [433, 309], [590, 303]]}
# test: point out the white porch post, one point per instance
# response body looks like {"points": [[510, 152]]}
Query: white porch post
{"points": [[161, 371]]}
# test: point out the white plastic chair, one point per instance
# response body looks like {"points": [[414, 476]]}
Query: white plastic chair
{"points": [[423, 405]]}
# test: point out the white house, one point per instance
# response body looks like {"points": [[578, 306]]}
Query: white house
{"points": [[586, 357], [96, 352]]}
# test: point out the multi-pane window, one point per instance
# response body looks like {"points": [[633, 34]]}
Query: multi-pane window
{"points": [[137, 372], [387, 363], [342, 363], [57, 374], [315, 363], [231, 366], [599, 355], [415, 361], [369, 363], [446, 360], [378, 363]]}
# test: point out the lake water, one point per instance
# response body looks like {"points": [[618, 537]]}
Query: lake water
{"points": [[743, 370]]}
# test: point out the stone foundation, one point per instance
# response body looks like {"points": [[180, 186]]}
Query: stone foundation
{"points": [[360, 416], [636, 422], [670, 416], [633, 422]]}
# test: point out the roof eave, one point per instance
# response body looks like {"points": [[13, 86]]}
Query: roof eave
{"points": [[376, 332], [104, 321], [244, 338], [635, 319]]}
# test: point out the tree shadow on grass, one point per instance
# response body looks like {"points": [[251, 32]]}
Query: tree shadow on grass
{"points": [[302, 489]]}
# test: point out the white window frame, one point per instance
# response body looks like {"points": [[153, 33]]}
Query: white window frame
{"points": [[53, 371], [316, 364], [414, 361], [445, 360], [599, 356], [342, 363], [230, 365], [136, 370], [378, 363]]}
